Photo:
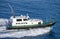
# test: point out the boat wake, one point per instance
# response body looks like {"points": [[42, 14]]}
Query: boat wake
{"points": [[22, 32]]}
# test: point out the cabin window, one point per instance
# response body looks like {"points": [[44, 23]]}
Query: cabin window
{"points": [[19, 19], [25, 19]]}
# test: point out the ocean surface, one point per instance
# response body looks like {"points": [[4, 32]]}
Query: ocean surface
{"points": [[39, 9]]}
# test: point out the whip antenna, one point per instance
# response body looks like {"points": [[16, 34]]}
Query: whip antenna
{"points": [[12, 11]]}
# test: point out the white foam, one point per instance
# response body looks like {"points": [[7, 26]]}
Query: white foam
{"points": [[2, 21], [31, 32]]}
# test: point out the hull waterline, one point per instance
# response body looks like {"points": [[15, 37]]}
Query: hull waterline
{"points": [[50, 24]]}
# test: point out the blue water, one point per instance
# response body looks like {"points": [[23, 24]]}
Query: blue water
{"points": [[42, 9]]}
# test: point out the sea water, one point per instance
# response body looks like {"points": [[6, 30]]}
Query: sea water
{"points": [[39, 9]]}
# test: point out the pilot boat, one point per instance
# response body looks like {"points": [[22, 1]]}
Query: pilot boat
{"points": [[25, 22]]}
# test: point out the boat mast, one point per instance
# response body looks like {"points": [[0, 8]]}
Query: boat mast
{"points": [[12, 11], [28, 16]]}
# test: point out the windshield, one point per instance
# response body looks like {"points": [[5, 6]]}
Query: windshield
{"points": [[25, 19], [19, 19]]}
